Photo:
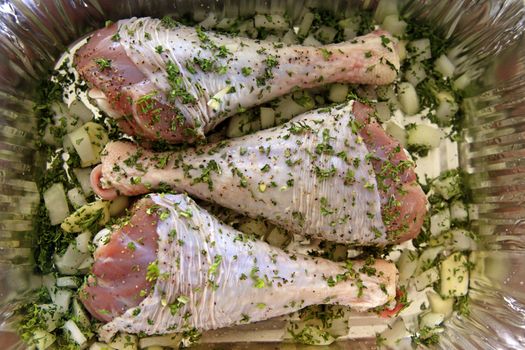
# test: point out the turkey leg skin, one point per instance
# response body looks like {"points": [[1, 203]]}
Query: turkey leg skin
{"points": [[173, 83], [332, 174], [204, 268]]}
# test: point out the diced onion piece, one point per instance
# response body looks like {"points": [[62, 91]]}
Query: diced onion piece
{"points": [[338, 93], [76, 197], [75, 333], [68, 282], [98, 137], [48, 137], [43, 339], [350, 27], [394, 25], [444, 66], [82, 242], [102, 237], [209, 21], [83, 178], [79, 109], [385, 8], [256, 227], [426, 278], [447, 107], [68, 263], [305, 25], [462, 240], [462, 82], [63, 118], [313, 331], [277, 238], [415, 73], [87, 215], [124, 341], [248, 29], [340, 252], [225, 23], [431, 320], [118, 205], [440, 222], [267, 117], [80, 140], [387, 93], [383, 112], [402, 50], [85, 266], [275, 22], [424, 134], [458, 211], [215, 101], [406, 265], [80, 314], [326, 34], [67, 144], [239, 125], [273, 38], [62, 299], [287, 107], [408, 98], [56, 203], [49, 281], [102, 346], [397, 132], [440, 305], [447, 187], [395, 333], [169, 340], [427, 257], [290, 38], [367, 91], [454, 276], [50, 314], [420, 49], [310, 40]]}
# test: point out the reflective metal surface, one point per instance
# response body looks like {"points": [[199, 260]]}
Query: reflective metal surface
{"points": [[489, 38]]}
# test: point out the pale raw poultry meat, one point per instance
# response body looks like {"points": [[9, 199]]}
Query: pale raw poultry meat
{"points": [[173, 267], [331, 173], [171, 83]]}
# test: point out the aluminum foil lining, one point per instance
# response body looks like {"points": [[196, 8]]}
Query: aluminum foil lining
{"points": [[489, 37]]}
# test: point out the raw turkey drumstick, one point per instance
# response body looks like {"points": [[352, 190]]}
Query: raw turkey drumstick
{"points": [[174, 267], [168, 82], [330, 173]]}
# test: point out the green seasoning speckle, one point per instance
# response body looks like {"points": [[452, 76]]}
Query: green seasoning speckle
{"points": [[153, 271], [257, 281], [246, 71], [216, 262], [326, 54], [325, 173], [103, 63], [271, 62], [169, 22], [385, 41], [178, 88], [178, 304]]}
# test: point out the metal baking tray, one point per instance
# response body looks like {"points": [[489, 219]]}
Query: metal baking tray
{"points": [[489, 37]]}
